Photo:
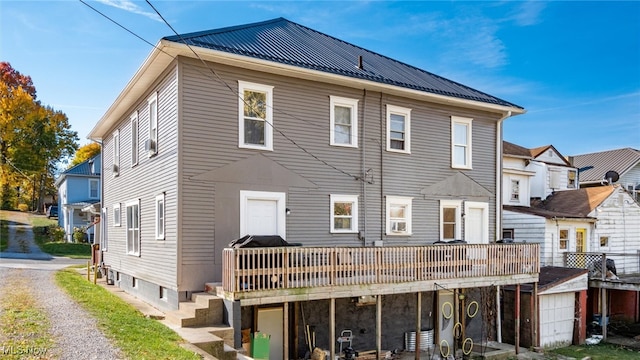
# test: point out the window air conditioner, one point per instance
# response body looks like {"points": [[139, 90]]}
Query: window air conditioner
{"points": [[150, 145]]}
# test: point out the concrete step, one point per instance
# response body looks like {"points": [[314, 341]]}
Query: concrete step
{"points": [[203, 337]]}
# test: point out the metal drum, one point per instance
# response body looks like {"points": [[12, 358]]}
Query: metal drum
{"points": [[426, 340]]}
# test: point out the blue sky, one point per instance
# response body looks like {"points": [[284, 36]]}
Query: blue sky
{"points": [[575, 66]]}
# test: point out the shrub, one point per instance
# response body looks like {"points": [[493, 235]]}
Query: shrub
{"points": [[56, 233], [79, 234], [23, 207]]}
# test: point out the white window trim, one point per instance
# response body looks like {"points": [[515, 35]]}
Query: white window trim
{"points": [[268, 127], [353, 199], [135, 139], [104, 232], [468, 150], [160, 228], [345, 102], [151, 100], [391, 109], [126, 207], [279, 197], [116, 153], [511, 192], [457, 204], [569, 232], [485, 219], [117, 214], [402, 201], [97, 181]]}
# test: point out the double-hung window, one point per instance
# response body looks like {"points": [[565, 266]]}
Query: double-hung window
{"points": [[515, 190], [255, 108], [94, 188], [133, 227], [450, 220], [134, 139], [398, 129], [160, 218], [461, 142], [343, 114], [563, 239], [116, 153], [152, 146], [116, 214], [344, 213], [398, 215]]}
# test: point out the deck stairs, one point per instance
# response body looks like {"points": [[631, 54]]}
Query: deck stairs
{"points": [[200, 322]]}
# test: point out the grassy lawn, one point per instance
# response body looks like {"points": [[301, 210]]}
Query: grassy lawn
{"points": [[4, 232], [138, 337], [42, 228], [24, 326], [602, 351]]}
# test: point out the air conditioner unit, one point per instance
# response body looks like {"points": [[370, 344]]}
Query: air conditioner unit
{"points": [[115, 168], [150, 145]]}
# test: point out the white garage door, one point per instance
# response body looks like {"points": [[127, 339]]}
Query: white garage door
{"points": [[556, 319]]}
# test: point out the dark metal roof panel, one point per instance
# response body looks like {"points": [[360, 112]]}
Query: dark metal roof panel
{"points": [[282, 41], [619, 160]]}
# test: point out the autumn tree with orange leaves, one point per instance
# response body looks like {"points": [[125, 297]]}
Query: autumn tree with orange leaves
{"points": [[34, 139]]}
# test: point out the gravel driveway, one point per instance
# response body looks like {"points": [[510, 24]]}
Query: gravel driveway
{"points": [[73, 329]]}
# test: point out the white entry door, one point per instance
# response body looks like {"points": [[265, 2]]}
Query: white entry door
{"points": [[262, 213], [476, 222]]}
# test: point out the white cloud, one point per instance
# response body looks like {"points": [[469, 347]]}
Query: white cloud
{"points": [[528, 13], [131, 7]]}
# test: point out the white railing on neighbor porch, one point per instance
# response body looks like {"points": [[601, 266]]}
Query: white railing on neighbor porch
{"points": [[254, 269], [618, 263]]}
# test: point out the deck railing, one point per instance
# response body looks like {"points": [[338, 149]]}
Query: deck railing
{"points": [[254, 269], [616, 263]]}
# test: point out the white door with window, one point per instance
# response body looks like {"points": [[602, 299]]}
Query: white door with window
{"points": [[262, 213], [476, 231]]}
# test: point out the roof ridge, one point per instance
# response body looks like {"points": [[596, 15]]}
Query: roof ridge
{"points": [[222, 30]]}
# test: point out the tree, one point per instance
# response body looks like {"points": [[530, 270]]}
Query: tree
{"points": [[85, 153], [34, 139]]}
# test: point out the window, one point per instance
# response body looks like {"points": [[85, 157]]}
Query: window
{"points": [[508, 234], [116, 153], [398, 126], [344, 213], [515, 190], [152, 146], [134, 139], [461, 142], [564, 239], [398, 215], [133, 227], [163, 293], [94, 189], [604, 241], [160, 219], [571, 179], [450, 220], [116, 215], [256, 119], [343, 113]]}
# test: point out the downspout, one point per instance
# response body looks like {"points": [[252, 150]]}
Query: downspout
{"points": [[382, 200], [499, 210], [363, 235]]}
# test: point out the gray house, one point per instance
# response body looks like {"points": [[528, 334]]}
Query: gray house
{"points": [[273, 128]]}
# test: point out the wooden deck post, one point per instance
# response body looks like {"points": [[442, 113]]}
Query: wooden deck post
{"points": [[378, 325], [517, 317], [285, 334], [534, 316], [332, 328], [604, 312], [418, 324]]}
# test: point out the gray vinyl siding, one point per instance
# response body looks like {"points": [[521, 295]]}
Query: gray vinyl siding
{"points": [[209, 140], [152, 176]]}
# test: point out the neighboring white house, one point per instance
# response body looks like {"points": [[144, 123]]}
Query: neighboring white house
{"points": [[552, 172], [594, 166], [516, 178], [78, 188]]}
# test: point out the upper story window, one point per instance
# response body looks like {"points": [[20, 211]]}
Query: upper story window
{"points": [[152, 144], [256, 116], [515, 190], [572, 179], [398, 215], [116, 214], [344, 213], [450, 220], [461, 142], [116, 153], [398, 129], [160, 218], [94, 189], [134, 139], [343, 115]]}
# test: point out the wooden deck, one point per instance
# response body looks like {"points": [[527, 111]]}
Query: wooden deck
{"points": [[627, 268], [268, 275]]}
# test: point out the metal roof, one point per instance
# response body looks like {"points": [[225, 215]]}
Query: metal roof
{"points": [[285, 42], [619, 160]]}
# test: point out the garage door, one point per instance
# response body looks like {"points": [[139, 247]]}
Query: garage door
{"points": [[556, 320]]}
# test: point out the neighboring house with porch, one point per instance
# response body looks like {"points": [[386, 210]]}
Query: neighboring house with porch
{"points": [[78, 188], [366, 162], [625, 162]]}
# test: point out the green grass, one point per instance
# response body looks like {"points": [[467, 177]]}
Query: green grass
{"points": [[137, 336], [4, 233], [24, 326], [602, 351], [41, 230]]}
